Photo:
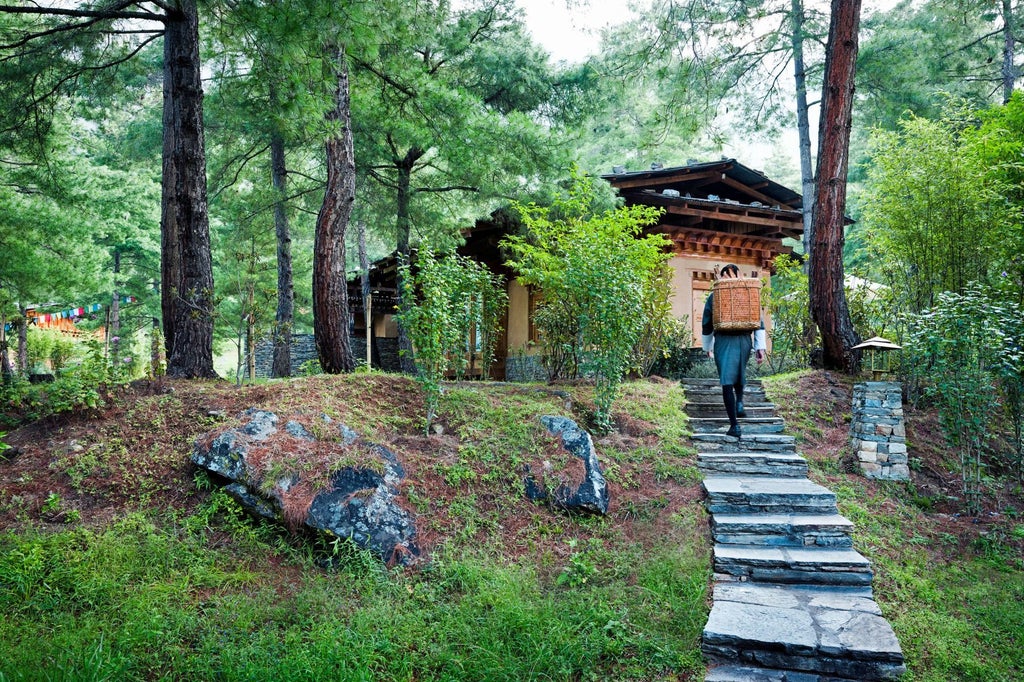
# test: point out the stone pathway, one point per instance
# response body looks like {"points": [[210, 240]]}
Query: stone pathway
{"points": [[792, 597]]}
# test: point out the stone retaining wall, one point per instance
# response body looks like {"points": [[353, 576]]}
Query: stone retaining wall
{"points": [[304, 349], [878, 435]]}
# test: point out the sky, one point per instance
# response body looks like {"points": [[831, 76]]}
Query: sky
{"points": [[571, 34], [570, 31]]}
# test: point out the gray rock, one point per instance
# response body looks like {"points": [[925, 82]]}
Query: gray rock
{"points": [[359, 503], [591, 495]]}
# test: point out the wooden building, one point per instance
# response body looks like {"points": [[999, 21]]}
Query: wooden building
{"points": [[715, 213]]}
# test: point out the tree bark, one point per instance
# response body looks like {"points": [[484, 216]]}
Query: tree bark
{"points": [[827, 296], [6, 371], [1009, 71], [282, 363], [404, 229], [114, 330], [22, 358], [185, 225], [803, 125], [330, 290]]}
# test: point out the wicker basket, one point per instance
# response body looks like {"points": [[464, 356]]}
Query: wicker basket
{"points": [[736, 305]]}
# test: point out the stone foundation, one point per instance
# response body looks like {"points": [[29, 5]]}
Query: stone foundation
{"points": [[385, 353], [878, 435]]}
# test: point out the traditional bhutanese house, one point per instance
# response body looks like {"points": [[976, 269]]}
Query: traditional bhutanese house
{"points": [[715, 213]]}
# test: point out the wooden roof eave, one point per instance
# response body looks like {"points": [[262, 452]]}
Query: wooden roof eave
{"points": [[752, 192], [738, 213]]}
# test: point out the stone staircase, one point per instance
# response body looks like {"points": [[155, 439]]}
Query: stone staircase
{"points": [[792, 597]]}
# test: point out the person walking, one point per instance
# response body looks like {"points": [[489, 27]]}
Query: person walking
{"points": [[731, 352]]}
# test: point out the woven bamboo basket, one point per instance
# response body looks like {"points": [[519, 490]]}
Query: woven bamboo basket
{"points": [[736, 305]]}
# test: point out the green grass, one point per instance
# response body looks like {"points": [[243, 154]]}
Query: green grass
{"points": [[163, 594], [147, 599]]}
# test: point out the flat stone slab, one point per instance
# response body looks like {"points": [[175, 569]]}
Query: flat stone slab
{"points": [[771, 464], [700, 395], [692, 381], [792, 530], [810, 565], [831, 631], [757, 442], [746, 673], [753, 494], [717, 409], [748, 424]]}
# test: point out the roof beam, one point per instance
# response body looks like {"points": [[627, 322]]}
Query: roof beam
{"points": [[747, 189], [630, 183]]}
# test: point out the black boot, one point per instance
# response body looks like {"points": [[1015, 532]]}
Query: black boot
{"points": [[740, 412], [734, 431]]}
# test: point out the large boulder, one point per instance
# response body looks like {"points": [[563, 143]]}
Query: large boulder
{"points": [[590, 495], [332, 483]]}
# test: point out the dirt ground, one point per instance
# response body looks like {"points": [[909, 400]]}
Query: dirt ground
{"points": [[91, 466], [94, 465], [823, 408]]}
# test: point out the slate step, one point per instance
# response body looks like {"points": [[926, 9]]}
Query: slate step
{"points": [[689, 382], [830, 633], [750, 392], [772, 464], [764, 494], [716, 408], [748, 442], [746, 673], [782, 530], [832, 566], [706, 395], [749, 425]]}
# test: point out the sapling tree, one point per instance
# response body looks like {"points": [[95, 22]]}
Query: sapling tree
{"points": [[959, 344], [454, 296], [596, 271]]}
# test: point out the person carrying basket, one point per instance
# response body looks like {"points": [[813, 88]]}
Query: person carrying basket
{"points": [[728, 337]]}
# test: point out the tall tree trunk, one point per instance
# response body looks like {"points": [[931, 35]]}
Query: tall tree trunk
{"points": [[114, 328], [22, 359], [364, 278], [185, 225], [330, 290], [827, 296], [170, 249], [803, 125], [282, 363], [6, 371], [404, 229], [1009, 71]]}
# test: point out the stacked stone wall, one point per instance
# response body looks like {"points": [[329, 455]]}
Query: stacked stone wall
{"points": [[304, 349], [878, 433]]}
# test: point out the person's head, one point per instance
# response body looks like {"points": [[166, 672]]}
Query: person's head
{"points": [[729, 271]]}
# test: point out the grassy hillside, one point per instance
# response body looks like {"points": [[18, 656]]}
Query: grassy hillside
{"points": [[119, 561]]}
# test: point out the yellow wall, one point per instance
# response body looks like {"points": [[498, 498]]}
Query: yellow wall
{"points": [[685, 304], [518, 316]]}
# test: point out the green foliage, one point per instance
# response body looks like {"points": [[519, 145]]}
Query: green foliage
{"points": [[677, 356], [961, 344], [789, 305], [936, 215], [662, 332], [49, 345], [459, 300], [601, 281]]}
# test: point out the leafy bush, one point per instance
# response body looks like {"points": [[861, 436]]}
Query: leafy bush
{"points": [[601, 280], [49, 345], [456, 297], [961, 344], [789, 304]]}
